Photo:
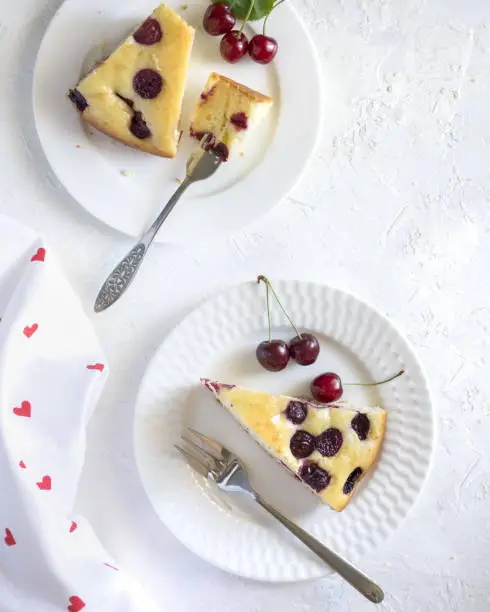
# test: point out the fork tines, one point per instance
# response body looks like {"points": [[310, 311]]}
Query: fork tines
{"points": [[206, 457]]}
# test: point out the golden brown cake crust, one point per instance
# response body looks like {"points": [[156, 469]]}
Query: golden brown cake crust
{"points": [[246, 91], [144, 146]]}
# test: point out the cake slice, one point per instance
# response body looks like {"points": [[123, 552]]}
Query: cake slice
{"points": [[135, 95], [329, 447], [227, 111]]}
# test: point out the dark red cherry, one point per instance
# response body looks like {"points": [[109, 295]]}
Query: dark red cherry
{"points": [[328, 443], [304, 350], [352, 478], [138, 126], [233, 46], [149, 32], [273, 355], [296, 411], [327, 387], [262, 49], [314, 476], [147, 83], [239, 120], [218, 19], [361, 425], [302, 444], [78, 99], [221, 150]]}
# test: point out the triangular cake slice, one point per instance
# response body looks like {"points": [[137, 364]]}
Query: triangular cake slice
{"points": [[135, 95], [329, 447]]}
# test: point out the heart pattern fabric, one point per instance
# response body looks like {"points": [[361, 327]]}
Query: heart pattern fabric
{"points": [[52, 370]]}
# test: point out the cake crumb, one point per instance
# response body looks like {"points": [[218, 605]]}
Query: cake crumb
{"points": [[126, 172], [90, 133], [242, 153], [77, 146], [185, 7]]}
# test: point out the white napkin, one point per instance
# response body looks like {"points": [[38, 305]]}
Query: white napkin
{"points": [[52, 371]]}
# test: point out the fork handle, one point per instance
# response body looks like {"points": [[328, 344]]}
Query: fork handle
{"points": [[123, 274], [348, 572]]}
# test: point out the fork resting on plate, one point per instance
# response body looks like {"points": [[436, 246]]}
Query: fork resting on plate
{"points": [[217, 463]]}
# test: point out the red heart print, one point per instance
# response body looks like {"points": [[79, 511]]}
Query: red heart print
{"points": [[96, 366], [9, 538], [45, 483], [76, 604], [40, 255], [111, 566], [73, 526], [24, 410], [30, 329], [22, 465]]}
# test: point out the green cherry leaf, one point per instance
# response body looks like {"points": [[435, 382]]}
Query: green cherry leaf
{"points": [[240, 8]]}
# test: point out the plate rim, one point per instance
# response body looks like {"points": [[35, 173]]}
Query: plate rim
{"points": [[116, 222], [426, 392]]}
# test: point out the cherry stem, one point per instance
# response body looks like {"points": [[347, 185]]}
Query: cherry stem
{"points": [[374, 384], [250, 8], [265, 280], [268, 14], [268, 311]]}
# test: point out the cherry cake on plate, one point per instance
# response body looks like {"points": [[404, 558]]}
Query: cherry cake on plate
{"points": [[330, 447], [226, 112], [135, 95]]}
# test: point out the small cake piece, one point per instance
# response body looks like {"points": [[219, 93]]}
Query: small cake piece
{"points": [[135, 95], [329, 447], [227, 110]]}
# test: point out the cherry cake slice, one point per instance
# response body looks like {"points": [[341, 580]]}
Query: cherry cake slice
{"points": [[329, 447], [226, 112], [135, 95]]}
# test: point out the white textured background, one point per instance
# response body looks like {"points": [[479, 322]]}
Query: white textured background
{"points": [[395, 208]]}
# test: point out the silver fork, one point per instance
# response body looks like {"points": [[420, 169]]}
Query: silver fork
{"points": [[220, 465], [201, 165]]}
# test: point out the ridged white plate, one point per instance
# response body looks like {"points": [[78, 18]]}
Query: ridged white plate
{"points": [[218, 340]]}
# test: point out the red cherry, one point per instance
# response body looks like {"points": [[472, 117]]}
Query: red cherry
{"points": [[262, 49], [327, 387], [233, 46], [304, 349], [218, 19], [273, 355]]}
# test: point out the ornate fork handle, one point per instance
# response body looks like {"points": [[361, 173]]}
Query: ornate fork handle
{"points": [[120, 278]]}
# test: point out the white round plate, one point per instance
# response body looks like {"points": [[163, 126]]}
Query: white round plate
{"points": [[218, 341], [125, 188]]}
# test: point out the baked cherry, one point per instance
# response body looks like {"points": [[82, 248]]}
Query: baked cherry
{"points": [[233, 46], [262, 49], [361, 425], [328, 443], [138, 126], [314, 476], [273, 355], [351, 481], [328, 387], [302, 444], [149, 32], [147, 83], [304, 348], [221, 150], [78, 99], [239, 120], [218, 19], [296, 411]]}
